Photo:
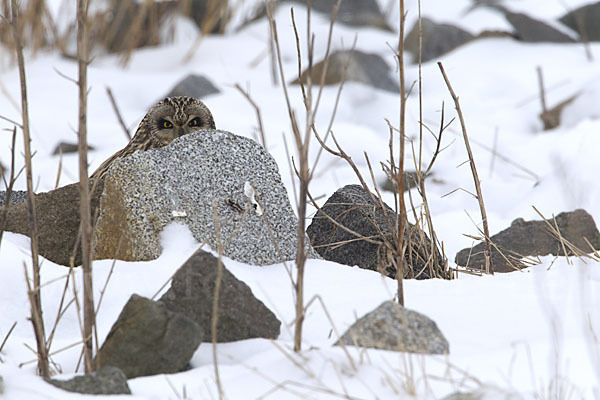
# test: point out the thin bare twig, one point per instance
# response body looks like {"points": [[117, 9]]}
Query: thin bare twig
{"points": [[113, 102], [489, 268]]}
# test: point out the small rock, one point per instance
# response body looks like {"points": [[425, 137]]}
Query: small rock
{"points": [[196, 86], [241, 315], [57, 220], [528, 29], [353, 208], [212, 181], [366, 68], [353, 12], [584, 21], [66, 147], [1, 385], [533, 238], [107, 380], [484, 393], [16, 196], [393, 327], [437, 39], [410, 181], [149, 339]]}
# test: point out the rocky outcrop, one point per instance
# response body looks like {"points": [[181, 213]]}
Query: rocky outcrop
{"points": [[534, 238], [357, 236], [107, 380], [393, 327], [367, 68], [225, 188], [241, 315], [149, 339]]}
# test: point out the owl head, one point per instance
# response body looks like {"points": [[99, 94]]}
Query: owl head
{"points": [[173, 117]]}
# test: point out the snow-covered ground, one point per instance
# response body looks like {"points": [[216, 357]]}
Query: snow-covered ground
{"points": [[534, 333]]}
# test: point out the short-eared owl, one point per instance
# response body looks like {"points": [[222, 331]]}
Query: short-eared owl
{"points": [[168, 119]]}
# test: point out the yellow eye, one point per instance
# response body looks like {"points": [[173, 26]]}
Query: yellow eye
{"points": [[194, 122], [166, 124]]}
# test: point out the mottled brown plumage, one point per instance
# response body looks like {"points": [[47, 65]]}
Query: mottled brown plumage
{"points": [[167, 120]]}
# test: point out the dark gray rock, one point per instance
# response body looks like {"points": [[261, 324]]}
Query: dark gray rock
{"points": [[66, 147], [393, 327], [584, 21], [241, 315], [352, 12], [437, 39], [16, 196], [215, 182], [484, 393], [1, 385], [528, 29], [353, 208], [149, 339], [366, 68], [57, 221], [196, 86], [533, 238], [107, 380], [410, 181]]}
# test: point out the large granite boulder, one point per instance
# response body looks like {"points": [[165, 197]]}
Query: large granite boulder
{"points": [[107, 380], [241, 315], [393, 327], [367, 68], [57, 221], [225, 188], [534, 238], [353, 208], [149, 339], [437, 39]]}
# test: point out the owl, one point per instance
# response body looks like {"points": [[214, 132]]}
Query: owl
{"points": [[167, 120]]}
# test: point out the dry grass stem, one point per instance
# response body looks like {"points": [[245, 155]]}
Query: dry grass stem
{"points": [[261, 129], [113, 103], [489, 268], [34, 295], [215, 308], [7, 336]]}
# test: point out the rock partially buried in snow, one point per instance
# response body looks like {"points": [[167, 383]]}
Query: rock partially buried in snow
{"points": [[107, 380], [241, 315], [366, 68], [148, 339], [437, 39], [584, 21], [353, 208], [353, 12], [225, 188], [393, 327], [196, 86], [534, 238]]}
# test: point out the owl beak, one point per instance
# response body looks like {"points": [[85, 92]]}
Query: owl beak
{"points": [[180, 131]]}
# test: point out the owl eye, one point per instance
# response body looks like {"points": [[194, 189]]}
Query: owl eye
{"points": [[164, 124], [194, 122]]}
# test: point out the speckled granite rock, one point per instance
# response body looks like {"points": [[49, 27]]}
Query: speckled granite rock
{"points": [[107, 380], [393, 327], [198, 179], [17, 196]]}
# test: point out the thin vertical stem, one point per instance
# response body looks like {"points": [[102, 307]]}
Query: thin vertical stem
{"points": [[84, 189], [34, 293]]}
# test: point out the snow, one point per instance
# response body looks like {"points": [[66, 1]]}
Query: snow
{"points": [[533, 333]]}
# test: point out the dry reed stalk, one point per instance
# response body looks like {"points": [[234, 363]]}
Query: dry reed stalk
{"points": [[84, 188], [215, 309], [261, 129], [34, 294], [489, 268], [113, 103]]}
